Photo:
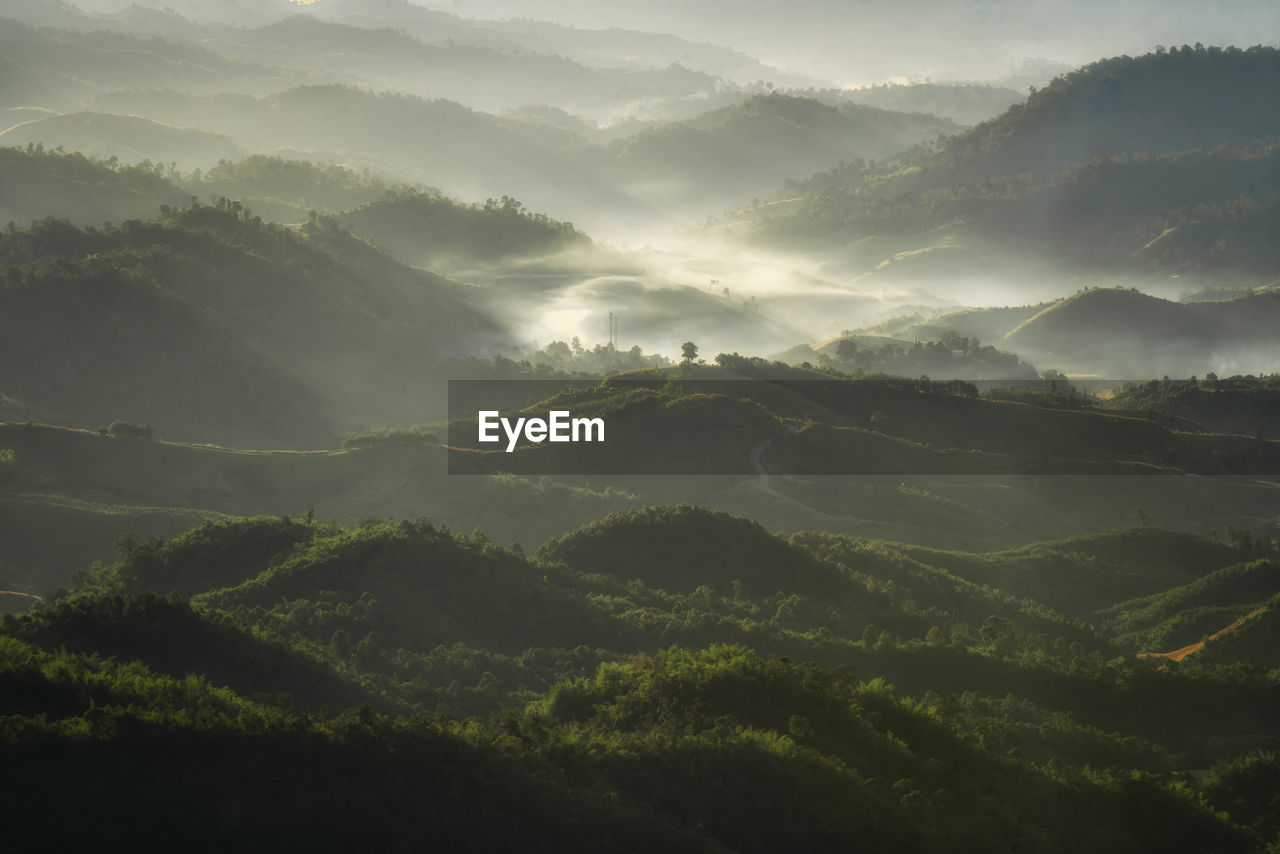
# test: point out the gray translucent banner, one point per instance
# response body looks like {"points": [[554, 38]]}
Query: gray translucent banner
{"points": [[670, 425]]}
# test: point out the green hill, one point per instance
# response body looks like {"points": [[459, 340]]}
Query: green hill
{"points": [[492, 77], [1183, 615], [168, 636], [354, 327], [464, 152], [1087, 321], [418, 226], [490, 65], [106, 60], [208, 557], [824, 762], [966, 103], [1249, 406], [287, 190], [1086, 574], [223, 771], [44, 538], [418, 588], [1159, 103], [1254, 641], [726, 156], [27, 93], [433, 231], [951, 356], [812, 422], [409, 618], [679, 548], [1119, 164], [1127, 330], [116, 344], [69, 494], [1116, 333], [37, 184], [129, 138]]}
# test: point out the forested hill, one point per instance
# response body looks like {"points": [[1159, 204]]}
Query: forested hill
{"points": [[808, 422], [964, 103], [35, 184], [493, 65], [417, 224], [728, 155], [1158, 103], [661, 703], [1164, 160], [333, 324], [430, 230]]}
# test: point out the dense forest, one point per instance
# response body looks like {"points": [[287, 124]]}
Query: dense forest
{"points": [[934, 502], [935, 707], [238, 329], [1160, 160]]}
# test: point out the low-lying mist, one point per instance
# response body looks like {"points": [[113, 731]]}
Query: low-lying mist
{"points": [[666, 287]]}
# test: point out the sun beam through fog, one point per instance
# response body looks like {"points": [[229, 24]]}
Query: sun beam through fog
{"points": [[587, 425]]}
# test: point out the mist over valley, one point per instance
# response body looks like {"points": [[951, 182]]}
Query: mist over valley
{"points": [[932, 350]]}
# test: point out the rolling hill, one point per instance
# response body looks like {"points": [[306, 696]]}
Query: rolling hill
{"points": [[103, 60], [96, 344], [966, 104], [1090, 170], [435, 232], [828, 607], [303, 616], [724, 157], [1117, 333], [39, 184], [218, 326], [808, 422], [131, 139], [1188, 614]]}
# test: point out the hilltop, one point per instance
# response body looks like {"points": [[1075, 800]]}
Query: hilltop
{"points": [[568, 674], [1117, 333], [1149, 328], [423, 112], [726, 156], [494, 63], [37, 184], [967, 104], [77, 62], [131, 139], [1246, 405], [418, 225], [432, 231], [1104, 167]]}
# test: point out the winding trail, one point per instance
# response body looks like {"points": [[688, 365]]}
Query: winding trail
{"points": [[1189, 649], [16, 593], [763, 480]]}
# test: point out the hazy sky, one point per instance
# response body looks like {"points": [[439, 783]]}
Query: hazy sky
{"points": [[849, 42], [856, 41]]}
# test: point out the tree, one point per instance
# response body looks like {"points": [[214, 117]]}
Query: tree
{"points": [[127, 430], [688, 352], [559, 351], [846, 350]]}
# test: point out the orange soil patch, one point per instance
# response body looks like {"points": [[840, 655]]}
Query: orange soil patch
{"points": [[1179, 654]]}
